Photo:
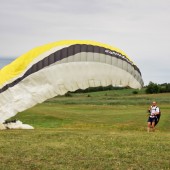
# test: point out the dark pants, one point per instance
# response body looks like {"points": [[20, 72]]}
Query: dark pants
{"points": [[152, 119]]}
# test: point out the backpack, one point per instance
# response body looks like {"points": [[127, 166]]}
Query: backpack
{"points": [[158, 117]]}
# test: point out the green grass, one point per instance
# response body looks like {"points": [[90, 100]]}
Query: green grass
{"points": [[95, 131]]}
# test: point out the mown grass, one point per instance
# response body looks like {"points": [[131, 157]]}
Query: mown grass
{"points": [[96, 131]]}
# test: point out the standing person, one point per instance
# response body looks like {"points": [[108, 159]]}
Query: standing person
{"points": [[154, 111]]}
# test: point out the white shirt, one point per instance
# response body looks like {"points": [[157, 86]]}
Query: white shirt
{"points": [[153, 110]]}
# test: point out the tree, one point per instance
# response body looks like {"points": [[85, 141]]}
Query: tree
{"points": [[152, 88]]}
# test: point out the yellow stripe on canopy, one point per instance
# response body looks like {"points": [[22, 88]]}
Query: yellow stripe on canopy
{"points": [[13, 70]]}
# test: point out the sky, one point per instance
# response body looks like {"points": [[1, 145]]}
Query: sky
{"points": [[140, 28]]}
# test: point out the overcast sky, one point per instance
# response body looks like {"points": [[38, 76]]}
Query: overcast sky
{"points": [[140, 28]]}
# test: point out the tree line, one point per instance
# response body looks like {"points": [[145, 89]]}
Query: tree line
{"points": [[157, 88], [151, 88]]}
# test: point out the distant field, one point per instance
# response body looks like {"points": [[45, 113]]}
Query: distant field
{"points": [[97, 131]]}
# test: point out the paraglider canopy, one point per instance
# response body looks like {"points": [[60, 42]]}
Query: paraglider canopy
{"points": [[56, 68]]}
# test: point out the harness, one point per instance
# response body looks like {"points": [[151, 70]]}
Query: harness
{"points": [[152, 111]]}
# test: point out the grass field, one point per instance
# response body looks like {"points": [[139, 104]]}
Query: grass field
{"points": [[96, 131]]}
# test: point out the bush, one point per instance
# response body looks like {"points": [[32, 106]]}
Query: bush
{"points": [[135, 92], [68, 94], [152, 88]]}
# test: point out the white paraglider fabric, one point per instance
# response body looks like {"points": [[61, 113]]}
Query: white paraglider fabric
{"points": [[58, 79], [15, 125]]}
